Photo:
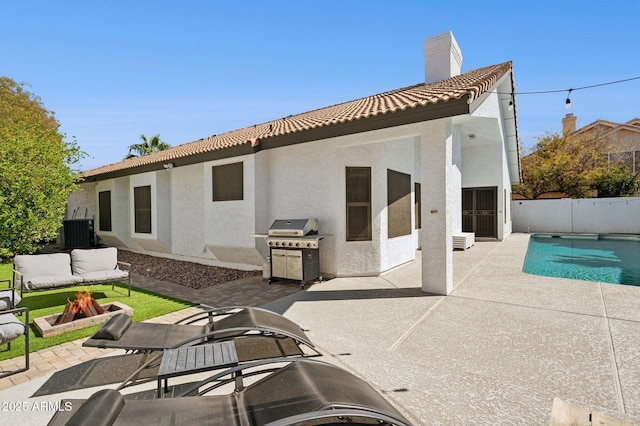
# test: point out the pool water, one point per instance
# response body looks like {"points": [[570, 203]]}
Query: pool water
{"points": [[590, 258]]}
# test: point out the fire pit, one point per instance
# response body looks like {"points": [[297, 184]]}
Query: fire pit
{"points": [[82, 312]]}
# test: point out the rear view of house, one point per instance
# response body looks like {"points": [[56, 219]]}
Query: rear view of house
{"points": [[384, 175]]}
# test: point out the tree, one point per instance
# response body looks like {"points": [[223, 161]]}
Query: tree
{"points": [[617, 181], [147, 146], [35, 170], [570, 165]]}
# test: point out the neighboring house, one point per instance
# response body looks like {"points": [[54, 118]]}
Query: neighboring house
{"points": [[622, 139], [385, 175]]}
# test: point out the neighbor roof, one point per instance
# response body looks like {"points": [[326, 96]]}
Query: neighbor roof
{"points": [[445, 98]]}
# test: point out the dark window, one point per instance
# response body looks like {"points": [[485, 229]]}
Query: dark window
{"points": [[142, 207], [104, 209], [227, 182], [417, 205], [398, 203], [358, 192]]}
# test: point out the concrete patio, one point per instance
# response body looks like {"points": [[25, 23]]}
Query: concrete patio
{"points": [[498, 350]]}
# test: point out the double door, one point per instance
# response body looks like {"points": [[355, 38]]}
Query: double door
{"points": [[479, 211]]}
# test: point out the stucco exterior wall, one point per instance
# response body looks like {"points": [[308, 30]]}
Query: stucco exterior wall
{"points": [[485, 157], [82, 202], [308, 180]]}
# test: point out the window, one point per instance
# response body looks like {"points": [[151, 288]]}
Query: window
{"points": [[142, 209], [358, 195], [227, 182], [104, 210], [398, 203], [417, 205]]}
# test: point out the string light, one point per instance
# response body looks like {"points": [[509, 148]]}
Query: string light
{"points": [[568, 100]]}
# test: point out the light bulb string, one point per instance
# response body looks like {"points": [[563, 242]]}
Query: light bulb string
{"points": [[539, 92]]}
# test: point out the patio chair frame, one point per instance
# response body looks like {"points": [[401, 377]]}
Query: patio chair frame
{"points": [[19, 311]]}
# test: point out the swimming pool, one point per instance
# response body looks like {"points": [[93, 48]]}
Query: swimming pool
{"points": [[609, 259]]}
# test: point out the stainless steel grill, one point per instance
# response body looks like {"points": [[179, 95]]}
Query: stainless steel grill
{"points": [[298, 233], [294, 249]]}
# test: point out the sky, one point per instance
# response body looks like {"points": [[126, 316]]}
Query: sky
{"points": [[112, 71]]}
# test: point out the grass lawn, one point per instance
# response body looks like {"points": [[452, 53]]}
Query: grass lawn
{"points": [[145, 305]]}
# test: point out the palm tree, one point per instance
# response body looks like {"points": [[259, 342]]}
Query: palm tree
{"points": [[147, 146]]}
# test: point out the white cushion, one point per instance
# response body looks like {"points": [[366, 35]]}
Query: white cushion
{"points": [[6, 299], [103, 276], [10, 328], [94, 260], [38, 265], [51, 281]]}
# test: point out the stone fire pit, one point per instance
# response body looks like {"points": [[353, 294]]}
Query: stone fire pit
{"points": [[47, 326]]}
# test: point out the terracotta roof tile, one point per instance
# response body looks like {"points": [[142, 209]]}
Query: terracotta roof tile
{"points": [[472, 84]]}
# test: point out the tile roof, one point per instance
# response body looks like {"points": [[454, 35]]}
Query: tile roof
{"points": [[471, 84]]}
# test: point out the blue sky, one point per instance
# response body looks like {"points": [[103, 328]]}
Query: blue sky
{"points": [[187, 69]]}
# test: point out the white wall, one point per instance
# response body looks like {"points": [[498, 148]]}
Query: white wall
{"points": [[83, 200], [591, 215], [308, 180], [187, 211], [484, 157]]}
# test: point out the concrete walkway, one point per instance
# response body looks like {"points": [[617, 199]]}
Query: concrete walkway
{"points": [[495, 351]]}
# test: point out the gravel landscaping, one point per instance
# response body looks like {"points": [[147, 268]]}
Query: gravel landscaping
{"points": [[188, 274]]}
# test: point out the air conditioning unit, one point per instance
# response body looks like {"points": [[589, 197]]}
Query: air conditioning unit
{"points": [[78, 233]]}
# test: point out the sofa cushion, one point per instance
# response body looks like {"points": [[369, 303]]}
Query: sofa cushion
{"points": [[7, 298], [39, 265], [50, 281], [10, 328], [103, 276], [94, 260]]}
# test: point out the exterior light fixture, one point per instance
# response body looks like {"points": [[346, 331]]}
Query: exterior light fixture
{"points": [[568, 101], [168, 166]]}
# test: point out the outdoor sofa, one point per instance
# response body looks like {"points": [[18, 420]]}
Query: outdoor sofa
{"points": [[306, 392], [81, 267]]}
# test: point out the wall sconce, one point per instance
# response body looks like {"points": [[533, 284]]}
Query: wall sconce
{"points": [[168, 166], [472, 136]]}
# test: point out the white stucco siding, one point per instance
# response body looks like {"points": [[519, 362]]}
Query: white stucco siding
{"points": [[228, 225], [187, 211], [82, 201], [98, 187], [120, 202], [144, 179], [485, 156], [398, 156], [438, 216], [308, 180]]}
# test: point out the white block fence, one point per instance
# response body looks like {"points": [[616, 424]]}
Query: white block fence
{"points": [[587, 215]]}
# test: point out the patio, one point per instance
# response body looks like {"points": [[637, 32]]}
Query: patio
{"points": [[495, 351]]}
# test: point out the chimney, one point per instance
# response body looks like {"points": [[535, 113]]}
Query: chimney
{"points": [[568, 124], [442, 56]]}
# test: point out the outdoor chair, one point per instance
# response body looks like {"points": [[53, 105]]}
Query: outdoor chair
{"points": [[305, 392], [9, 298], [237, 321], [12, 328]]}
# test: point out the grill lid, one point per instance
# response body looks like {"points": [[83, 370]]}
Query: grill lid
{"points": [[293, 227]]}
